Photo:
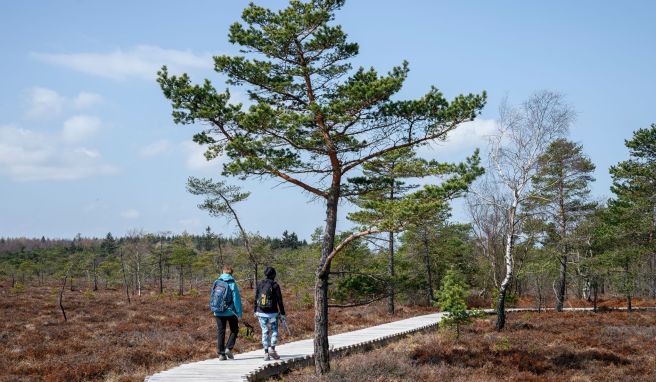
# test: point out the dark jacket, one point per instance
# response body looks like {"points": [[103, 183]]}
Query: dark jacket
{"points": [[278, 306]]}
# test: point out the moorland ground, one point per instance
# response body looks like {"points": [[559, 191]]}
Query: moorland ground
{"points": [[105, 338], [548, 346]]}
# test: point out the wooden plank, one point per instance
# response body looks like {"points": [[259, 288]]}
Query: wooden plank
{"points": [[250, 365], [250, 362]]}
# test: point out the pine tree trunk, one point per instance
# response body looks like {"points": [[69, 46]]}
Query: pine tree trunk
{"points": [[561, 284], [626, 285], [181, 289], [95, 275], [538, 289], [563, 233], [430, 296], [161, 269], [321, 346], [652, 264], [390, 262], [595, 287], [191, 278], [629, 305], [390, 269]]}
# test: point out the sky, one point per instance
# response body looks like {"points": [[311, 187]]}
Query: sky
{"points": [[88, 145]]}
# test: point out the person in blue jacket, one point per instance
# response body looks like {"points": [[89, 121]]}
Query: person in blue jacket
{"points": [[229, 317]]}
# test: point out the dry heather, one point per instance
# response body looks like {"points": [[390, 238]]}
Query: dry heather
{"points": [[105, 338], [610, 346]]}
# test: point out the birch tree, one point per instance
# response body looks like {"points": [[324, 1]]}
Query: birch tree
{"points": [[523, 133]]}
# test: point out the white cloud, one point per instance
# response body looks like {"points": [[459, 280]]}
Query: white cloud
{"points": [[141, 61], [43, 102], [196, 157], [26, 155], [79, 128], [85, 100], [130, 214], [155, 148], [463, 140], [88, 152]]}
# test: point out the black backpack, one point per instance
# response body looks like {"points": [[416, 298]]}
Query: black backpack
{"points": [[265, 298]]}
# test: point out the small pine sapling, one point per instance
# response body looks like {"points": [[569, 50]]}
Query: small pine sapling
{"points": [[452, 300]]}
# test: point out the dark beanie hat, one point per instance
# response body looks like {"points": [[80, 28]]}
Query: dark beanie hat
{"points": [[270, 273]]}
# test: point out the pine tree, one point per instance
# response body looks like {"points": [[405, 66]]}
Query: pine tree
{"points": [[634, 186], [383, 177], [314, 120], [452, 298], [561, 198]]}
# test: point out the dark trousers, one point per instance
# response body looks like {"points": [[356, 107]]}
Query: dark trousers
{"points": [[221, 323]]}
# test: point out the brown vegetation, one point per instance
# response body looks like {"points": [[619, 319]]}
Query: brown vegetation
{"points": [[105, 338], [570, 346]]}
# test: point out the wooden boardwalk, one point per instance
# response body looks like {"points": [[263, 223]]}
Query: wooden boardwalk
{"points": [[246, 366], [250, 366]]}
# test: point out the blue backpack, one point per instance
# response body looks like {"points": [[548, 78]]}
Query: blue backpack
{"points": [[221, 297]]}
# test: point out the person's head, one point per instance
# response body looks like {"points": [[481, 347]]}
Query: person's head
{"points": [[228, 269], [270, 273]]}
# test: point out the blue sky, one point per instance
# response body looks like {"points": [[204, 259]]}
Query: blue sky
{"points": [[87, 143]]}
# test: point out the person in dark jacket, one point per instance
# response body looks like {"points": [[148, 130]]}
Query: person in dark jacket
{"points": [[269, 308], [229, 317]]}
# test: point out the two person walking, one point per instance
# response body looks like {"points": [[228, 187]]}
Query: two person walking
{"points": [[225, 303]]}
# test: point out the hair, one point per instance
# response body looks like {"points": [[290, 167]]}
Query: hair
{"points": [[228, 269]]}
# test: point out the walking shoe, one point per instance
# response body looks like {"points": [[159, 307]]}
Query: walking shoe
{"points": [[266, 357], [222, 357], [229, 354], [274, 354]]}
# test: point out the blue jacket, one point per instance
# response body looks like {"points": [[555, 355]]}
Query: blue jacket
{"points": [[235, 308]]}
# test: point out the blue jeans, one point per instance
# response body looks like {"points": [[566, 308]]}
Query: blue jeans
{"points": [[264, 325]]}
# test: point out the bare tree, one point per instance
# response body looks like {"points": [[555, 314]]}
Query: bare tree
{"points": [[137, 249], [523, 133]]}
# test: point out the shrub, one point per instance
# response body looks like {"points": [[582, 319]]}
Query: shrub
{"points": [[89, 295], [18, 287]]}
